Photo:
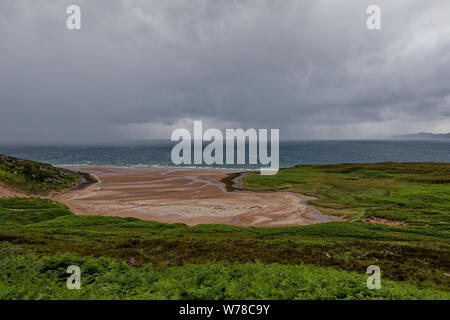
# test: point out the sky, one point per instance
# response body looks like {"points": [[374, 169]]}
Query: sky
{"points": [[138, 69]]}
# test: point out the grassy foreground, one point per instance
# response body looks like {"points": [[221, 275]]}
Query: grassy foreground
{"points": [[39, 239], [25, 277]]}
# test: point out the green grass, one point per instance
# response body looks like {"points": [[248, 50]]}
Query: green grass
{"points": [[23, 276], [410, 256], [39, 238], [23, 211], [34, 177], [414, 193]]}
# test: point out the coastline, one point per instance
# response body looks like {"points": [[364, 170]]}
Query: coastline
{"points": [[185, 195]]}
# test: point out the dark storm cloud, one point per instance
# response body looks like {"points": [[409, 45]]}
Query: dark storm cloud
{"points": [[137, 69]]}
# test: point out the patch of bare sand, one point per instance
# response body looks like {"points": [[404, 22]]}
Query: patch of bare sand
{"points": [[6, 192], [188, 196], [385, 221]]}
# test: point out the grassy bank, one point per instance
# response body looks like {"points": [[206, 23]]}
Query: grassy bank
{"points": [[32, 177], [414, 193]]}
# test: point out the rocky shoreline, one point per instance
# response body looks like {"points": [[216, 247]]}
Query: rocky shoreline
{"points": [[84, 180]]}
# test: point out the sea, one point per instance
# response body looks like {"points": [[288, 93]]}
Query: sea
{"points": [[157, 153]]}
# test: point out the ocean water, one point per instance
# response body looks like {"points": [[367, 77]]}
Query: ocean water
{"points": [[157, 153]]}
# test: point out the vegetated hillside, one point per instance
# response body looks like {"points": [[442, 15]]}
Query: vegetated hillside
{"points": [[36, 178], [24, 276], [411, 193], [318, 261], [40, 238]]}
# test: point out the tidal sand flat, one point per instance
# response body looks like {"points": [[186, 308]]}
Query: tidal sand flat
{"points": [[190, 196]]}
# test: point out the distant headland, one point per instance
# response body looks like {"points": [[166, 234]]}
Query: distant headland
{"points": [[424, 136]]}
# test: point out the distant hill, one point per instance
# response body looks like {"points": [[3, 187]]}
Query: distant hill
{"points": [[423, 136]]}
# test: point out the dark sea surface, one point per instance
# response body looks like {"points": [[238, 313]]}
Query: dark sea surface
{"points": [[157, 153]]}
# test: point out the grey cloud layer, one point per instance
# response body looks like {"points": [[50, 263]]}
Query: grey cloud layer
{"points": [[139, 68]]}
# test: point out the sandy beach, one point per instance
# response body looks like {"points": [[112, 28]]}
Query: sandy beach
{"points": [[190, 196]]}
